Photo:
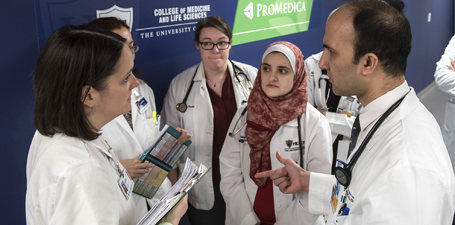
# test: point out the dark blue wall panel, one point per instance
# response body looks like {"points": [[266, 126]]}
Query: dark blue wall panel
{"points": [[19, 49], [28, 23]]}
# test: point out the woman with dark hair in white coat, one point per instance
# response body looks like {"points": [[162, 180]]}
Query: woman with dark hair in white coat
{"points": [[83, 80], [132, 133], [278, 119]]}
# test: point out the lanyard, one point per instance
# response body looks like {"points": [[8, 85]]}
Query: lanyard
{"points": [[112, 157]]}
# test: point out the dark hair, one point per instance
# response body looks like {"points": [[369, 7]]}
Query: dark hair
{"points": [[382, 28], [213, 21], [73, 57], [109, 23]]}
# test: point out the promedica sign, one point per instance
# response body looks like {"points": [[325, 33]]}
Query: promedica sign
{"points": [[263, 19]]}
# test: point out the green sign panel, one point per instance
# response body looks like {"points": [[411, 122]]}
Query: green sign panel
{"points": [[261, 19]]}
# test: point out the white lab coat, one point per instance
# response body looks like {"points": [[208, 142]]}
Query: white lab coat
{"points": [[445, 80], [130, 144], [239, 191], [404, 175], [71, 181], [198, 120], [339, 122]]}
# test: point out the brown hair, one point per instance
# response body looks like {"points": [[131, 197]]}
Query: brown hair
{"points": [[73, 57], [213, 21]]}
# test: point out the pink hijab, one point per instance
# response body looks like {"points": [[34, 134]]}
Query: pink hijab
{"points": [[266, 116]]}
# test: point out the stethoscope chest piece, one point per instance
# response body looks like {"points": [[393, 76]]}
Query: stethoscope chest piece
{"points": [[181, 107], [343, 176]]}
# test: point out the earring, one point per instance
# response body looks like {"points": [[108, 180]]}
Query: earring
{"points": [[92, 112]]}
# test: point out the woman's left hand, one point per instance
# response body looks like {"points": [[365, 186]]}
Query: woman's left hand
{"points": [[184, 137]]}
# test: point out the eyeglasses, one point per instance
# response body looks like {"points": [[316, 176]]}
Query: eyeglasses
{"points": [[210, 45], [134, 48]]}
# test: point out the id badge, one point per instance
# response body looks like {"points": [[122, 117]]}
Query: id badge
{"points": [[142, 105], [332, 219], [125, 182]]}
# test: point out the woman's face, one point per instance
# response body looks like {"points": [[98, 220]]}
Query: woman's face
{"points": [[214, 59], [277, 77], [125, 33], [115, 100]]}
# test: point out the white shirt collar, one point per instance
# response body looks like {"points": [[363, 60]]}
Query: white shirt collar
{"points": [[377, 107]]}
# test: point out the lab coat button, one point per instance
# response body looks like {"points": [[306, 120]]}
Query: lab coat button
{"points": [[278, 205]]}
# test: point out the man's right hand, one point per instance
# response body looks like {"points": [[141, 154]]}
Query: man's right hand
{"points": [[290, 179]]}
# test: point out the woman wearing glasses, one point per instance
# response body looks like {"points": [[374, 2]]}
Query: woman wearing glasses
{"points": [[203, 100], [277, 119]]}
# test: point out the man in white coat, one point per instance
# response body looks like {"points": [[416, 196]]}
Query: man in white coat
{"points": [[404, 175], [445, 80]]}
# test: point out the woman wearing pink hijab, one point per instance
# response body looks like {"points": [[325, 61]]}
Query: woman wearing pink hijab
{"points": [[277, 119]]}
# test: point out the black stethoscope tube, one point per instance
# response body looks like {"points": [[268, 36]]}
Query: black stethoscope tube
{"points": [[344, 175]]}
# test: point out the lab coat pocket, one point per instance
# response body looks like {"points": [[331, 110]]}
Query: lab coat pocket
{"points": [[151, 130], [342, 220]]}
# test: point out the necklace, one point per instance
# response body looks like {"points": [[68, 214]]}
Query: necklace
{"points": [[214, 84]]}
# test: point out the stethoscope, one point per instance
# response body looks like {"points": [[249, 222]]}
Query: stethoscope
{"points": [[344, 174], [325, 79], [182, 107], [242, 139]]}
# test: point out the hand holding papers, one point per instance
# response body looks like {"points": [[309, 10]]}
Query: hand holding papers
{"points": [[190, 176]]}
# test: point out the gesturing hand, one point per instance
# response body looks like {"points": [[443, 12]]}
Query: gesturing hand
{"points": [[290, 179]]}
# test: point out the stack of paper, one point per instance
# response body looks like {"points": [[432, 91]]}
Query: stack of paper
{"points": [[190, 176]]}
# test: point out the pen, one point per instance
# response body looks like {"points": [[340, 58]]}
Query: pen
{"points": [[154, 116], [342, 209]]}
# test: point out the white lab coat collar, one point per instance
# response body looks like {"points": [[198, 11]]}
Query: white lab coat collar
{"points": [[200, 75], [238, 90], [124, 124], [377, 107], [101, 144]]}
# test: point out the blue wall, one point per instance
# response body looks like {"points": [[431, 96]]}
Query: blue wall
{"points": [[28, 23]]}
